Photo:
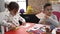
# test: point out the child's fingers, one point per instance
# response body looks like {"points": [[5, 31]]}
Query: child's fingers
{"points": [[23, 23]]}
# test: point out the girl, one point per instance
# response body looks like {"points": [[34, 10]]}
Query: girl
{"points": [[12, 17]]}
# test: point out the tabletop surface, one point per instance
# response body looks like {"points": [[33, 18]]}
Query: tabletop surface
{"points": [[20, 30]]}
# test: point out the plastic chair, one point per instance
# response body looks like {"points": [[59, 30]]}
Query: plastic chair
{"points": [[57, 14]]}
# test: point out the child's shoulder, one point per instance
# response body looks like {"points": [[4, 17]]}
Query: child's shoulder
{"points": [[53, 15], [17, 16], [3, 15]]}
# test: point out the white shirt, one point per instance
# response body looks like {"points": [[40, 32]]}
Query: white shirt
{"points": [[14, 19], [52, 20], [8, 19], [2, 17]]}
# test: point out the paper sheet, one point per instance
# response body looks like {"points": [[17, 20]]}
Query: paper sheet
{"points": [[54, 31], [36, 27], [40, 15]]}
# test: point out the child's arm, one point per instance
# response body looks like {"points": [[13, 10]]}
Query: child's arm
{"points": [[4, 23], [53, 21], [15, 22], [42, 21], [22, 20]]}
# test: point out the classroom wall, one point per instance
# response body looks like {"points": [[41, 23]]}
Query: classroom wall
{"points": [[2, 8], [21, 3], [56, 7], [37, 4]]}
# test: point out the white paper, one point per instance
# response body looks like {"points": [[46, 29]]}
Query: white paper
{"points": [[54, 31], [36, 27], [40, 15]]}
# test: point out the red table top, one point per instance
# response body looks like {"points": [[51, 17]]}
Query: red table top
{"points": [[20, 30]]}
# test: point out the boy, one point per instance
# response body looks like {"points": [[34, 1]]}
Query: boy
{"points": [[49, 18]]}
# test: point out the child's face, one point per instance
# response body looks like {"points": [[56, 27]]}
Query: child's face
{"points": [[14, 11], [48, 10]]}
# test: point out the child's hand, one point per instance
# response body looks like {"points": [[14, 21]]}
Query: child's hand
{"points": [[46, 17], [23, 24], [12, 26], [43, 22]]}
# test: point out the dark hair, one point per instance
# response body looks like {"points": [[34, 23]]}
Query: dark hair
{"points": [[13, 5], [6, 5], [47, 4]]}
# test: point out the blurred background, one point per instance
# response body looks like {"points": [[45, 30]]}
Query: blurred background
{"points": [[37, 5]]}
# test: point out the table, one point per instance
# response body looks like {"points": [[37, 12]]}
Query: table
{"points": [[22, 30]]}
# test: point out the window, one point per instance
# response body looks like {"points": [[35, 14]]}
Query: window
{"points": [[22, 3]]}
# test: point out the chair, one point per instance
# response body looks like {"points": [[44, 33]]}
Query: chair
{"points": [[57, 14], [3, 29]]}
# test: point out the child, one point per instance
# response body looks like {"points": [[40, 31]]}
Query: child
{"points": [[12, 17], [49, 18]]}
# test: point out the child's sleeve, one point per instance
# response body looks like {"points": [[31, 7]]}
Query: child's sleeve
{"points": [[22, 19], [54, 21], [4, 23]]}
